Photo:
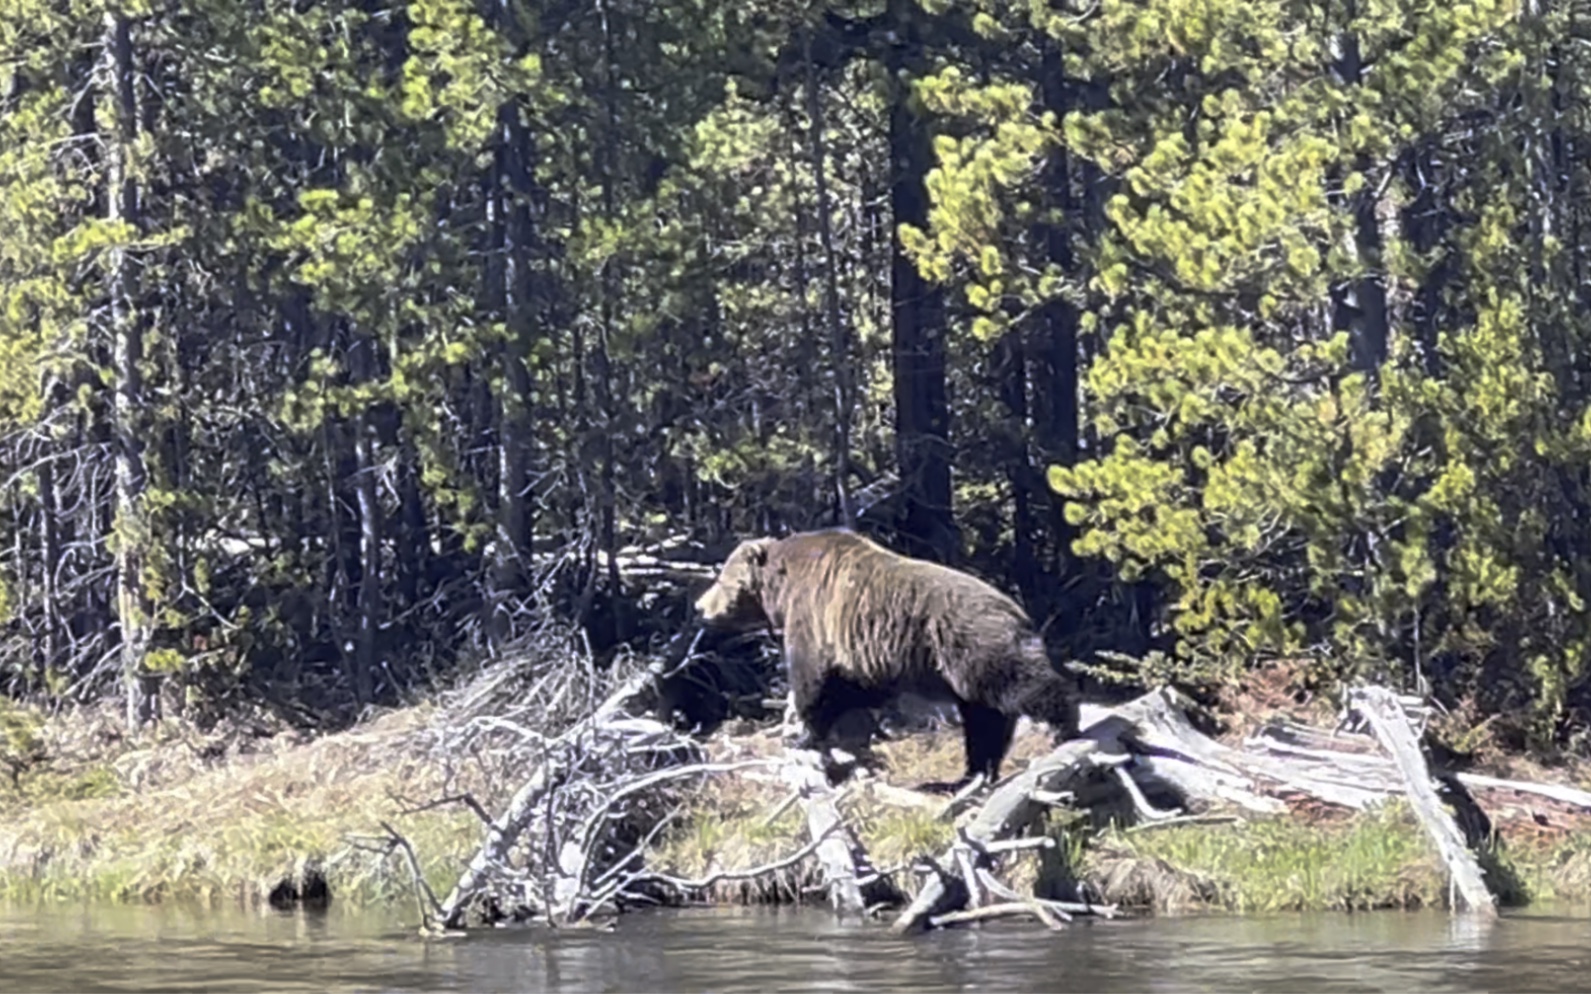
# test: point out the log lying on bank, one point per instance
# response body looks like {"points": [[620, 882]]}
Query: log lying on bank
{"points": [[962, 875], [1392, 729], [853, 885], [1156, 730], [1150, 743]]}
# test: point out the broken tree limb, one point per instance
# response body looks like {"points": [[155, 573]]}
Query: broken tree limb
{"points": [[1011, 909], [1010, 809], [1557, 792], [1388, 720], [608, 732], [852, 883]]}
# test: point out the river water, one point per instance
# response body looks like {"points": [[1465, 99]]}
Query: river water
{"points": [[111, 948]]}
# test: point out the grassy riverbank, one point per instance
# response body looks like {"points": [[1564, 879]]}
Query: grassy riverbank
{"points": [[173, 816], [163, 817], [1311, 859]]}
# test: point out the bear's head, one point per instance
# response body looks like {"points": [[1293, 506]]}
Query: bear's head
{"points": [[735, 598]]}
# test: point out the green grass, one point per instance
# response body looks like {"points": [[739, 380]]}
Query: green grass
{"points": [[1380, 859], [233, 832], [1377, 861]]}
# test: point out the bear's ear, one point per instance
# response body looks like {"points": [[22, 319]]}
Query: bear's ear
{"points": [[759, 550]]}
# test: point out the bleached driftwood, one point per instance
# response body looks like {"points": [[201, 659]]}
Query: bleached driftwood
{"points": [[609, 732], [1150, 740], [1008, 810], [852, 883], [1288, 740], [1167, 747], [1557, 792], [1391, 726]]}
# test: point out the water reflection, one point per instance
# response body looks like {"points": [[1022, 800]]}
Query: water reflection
{"points": [[119, 948]]}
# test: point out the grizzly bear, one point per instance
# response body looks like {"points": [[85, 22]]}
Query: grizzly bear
{"points": [[862, 624]]}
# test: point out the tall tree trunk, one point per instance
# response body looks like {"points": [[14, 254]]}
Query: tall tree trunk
{"points": [[414, 535], [508, 287], [131, 524], [610, 629], [922, 410], [502, 567], [1057, 389], [1361, 309], [1011, 373], [368, 499], [839, 339], [48, 650], [1424, 222]]}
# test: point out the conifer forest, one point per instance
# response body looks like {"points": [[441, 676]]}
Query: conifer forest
{"points": [[342, 343]]}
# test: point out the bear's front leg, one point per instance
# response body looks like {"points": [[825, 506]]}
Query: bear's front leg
{"points": [[806, 692]]}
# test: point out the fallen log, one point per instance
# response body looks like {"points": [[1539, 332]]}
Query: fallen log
{"points": [[608, 733], [1387, 719], [1150, 739], [852, 883], [1557, 792], [1009, 909], [1011, 808], [1167, 747], [1382, 767]]}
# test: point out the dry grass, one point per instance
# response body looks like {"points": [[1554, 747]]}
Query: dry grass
{"points": [[170, 822]]}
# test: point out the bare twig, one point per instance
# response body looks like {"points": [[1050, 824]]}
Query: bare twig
{"points": [[430, 906], [466, 799], [783, 806], [685, 885], [1011, 909]]}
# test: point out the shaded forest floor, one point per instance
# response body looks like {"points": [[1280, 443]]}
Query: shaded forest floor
{"points": [[262, 814]]}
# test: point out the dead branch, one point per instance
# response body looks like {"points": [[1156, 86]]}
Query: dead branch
{"points": [[1013, 909], [466, 799], [1205, 819], [608, 737], [1009, 810], [1385, 715], [687, 885], [779, 809], [425, 897], [852, 883]]}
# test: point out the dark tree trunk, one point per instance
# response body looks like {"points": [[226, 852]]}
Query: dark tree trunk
{"points": [[1011, 374], [1056, 376], [922, 409], [1361, 308]]}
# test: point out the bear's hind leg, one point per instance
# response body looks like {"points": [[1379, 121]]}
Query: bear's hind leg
{"points": [[986, 734]]}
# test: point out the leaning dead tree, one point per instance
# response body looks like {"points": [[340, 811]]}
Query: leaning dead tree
{"points": [[1382, 711]]}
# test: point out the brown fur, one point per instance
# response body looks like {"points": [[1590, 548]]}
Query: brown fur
{"points": [[862, 623]]}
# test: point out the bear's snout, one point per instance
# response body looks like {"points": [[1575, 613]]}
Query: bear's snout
{"points": [[710, 604]]}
